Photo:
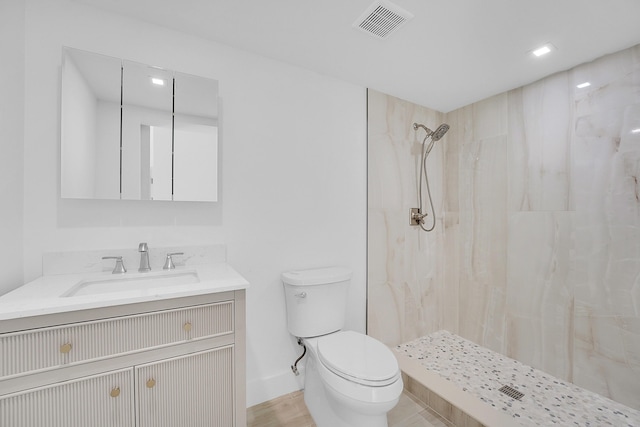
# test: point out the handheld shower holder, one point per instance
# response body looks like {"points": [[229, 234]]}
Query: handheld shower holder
{"points": [[416, 215]]}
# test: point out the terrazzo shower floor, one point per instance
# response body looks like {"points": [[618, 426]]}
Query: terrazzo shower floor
{"points": [[482, 372]]}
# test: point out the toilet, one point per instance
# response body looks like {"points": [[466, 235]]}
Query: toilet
{"points": [[351, 379]]}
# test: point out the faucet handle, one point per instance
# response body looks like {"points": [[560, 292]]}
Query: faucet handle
{"points": [[169, 265], [142, 247], [119, 268]]}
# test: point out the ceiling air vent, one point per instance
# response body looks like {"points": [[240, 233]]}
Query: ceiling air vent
{"points": [[382, 19]]}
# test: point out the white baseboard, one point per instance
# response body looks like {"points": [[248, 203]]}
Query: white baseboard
{"points": [[263, 389]]}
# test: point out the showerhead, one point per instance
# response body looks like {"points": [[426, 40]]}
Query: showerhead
{"points": [[435, 135], [439, 133]]}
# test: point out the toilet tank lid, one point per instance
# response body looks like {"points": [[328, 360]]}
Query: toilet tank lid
{"points": [[316, 276]]}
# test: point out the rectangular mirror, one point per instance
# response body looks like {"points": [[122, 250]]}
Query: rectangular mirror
{"points": [[136, 132], [90, 126]]}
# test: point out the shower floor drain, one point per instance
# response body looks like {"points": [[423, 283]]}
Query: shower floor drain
{"points": [[511, 392]]}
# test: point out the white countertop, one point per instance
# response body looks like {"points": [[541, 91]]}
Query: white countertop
{"points": [[45, 294]]}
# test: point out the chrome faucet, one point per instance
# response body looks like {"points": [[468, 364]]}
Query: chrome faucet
{"points": [[144, 258]]}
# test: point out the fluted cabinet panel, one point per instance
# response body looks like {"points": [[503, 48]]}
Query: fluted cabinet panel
{"points": [[47, 348], [195, 390], [97, 401]]}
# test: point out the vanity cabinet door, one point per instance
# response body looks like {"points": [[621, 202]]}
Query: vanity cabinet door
{"points": [[98, 401], [195, 390]]}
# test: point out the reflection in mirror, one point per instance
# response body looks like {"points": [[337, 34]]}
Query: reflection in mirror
{"points": [[90, 126], [147, 103], [157, 181], [195, 138]]}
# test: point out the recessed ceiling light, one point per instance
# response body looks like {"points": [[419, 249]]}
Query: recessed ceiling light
{"points": [[157, 81], [583, 85], [542, 50]]}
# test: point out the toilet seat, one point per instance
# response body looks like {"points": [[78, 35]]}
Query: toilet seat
{"points": [[358, 358]]}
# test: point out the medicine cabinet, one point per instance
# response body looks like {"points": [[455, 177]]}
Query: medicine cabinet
{"points": [[132, 131]]}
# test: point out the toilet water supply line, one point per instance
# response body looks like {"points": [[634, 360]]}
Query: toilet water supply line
{"points": [[294, 367]]}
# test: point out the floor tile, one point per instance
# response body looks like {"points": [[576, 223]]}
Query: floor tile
{"points": [[290, 411]]}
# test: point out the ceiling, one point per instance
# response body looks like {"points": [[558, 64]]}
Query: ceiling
{"points": [[452, 53]]}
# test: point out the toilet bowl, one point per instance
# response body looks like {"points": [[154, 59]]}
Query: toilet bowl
{"points": [[351, 379]]}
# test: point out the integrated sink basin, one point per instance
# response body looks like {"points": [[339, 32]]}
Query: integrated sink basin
{"points": [[132, 282]]}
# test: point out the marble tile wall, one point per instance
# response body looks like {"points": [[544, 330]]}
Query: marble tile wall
{"points": [[406, 266], [481, 241], [537, 250], [606, 171]]}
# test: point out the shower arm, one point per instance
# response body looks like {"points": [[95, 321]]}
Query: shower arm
{"points": [[419, 125]]}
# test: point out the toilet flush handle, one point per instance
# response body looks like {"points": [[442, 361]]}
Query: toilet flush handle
{"points": [[301, 295]]}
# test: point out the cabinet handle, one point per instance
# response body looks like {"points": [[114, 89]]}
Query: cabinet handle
{"points": [[65, 348], [115, 392], [151, 383], [187, 327]]}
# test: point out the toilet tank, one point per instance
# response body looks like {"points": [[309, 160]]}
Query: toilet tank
{"points": [[316, 300]]}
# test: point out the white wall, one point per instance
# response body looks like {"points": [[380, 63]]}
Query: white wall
{"points": [[12, 24], [293, 183]]}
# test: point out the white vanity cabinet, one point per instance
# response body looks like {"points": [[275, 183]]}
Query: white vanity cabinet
{"points": [[175, 362]]}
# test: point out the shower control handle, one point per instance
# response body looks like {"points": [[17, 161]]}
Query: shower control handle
{"points": [[416, 218]]}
